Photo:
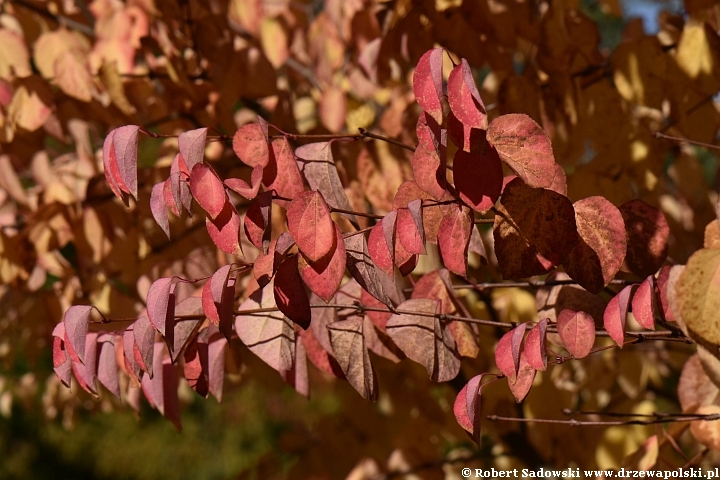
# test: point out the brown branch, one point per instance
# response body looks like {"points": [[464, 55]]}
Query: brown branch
{"points": [[608, 423], [366, 134], [692, 142]]}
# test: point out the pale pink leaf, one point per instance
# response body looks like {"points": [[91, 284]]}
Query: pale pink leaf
{"points": [[216, 364], [144, 340], [185, 328], [577, 332], [192, 146], [107, 366], [76, 320], [62, 364]]}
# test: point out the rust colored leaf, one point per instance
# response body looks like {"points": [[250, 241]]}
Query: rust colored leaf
{"points": [[429, 158], [348, 344], [644, 303], [507, 351], [478, 178], [577, 332], [258, 221], [423, 339], [161, 304], [535, 346], [207, 189], [464, 98], [62, 364], [251, 144], [158, 208], [454, 239], [616, 314], [269, 335], [427, 83], [192, 146], [600, 249], [290, 294], [224, 230], [525, 377], [324, 276], [647, 233], [282, 173], [310, 225], [525, 147], [76, 320], [534, 230], [242, 188]]}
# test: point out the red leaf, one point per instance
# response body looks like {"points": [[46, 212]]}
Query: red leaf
{"points": [[427, 83], [76, 320], [454, 238], [534, 231], [107, 365], [324, 276], [143, 341], [258, 221], [616, 313], [380, 252], [507, 351], [192, 146], [282, 174], [218, 297], [478, 178], [179, 178], [161, 303], [600, 249], [647, 236], [363, 270], [125, 145], [644, 303], [310, 225], [464, 98], [290, 294], [61, 358], [110, 166], [410, 231], [535, 346], [525, 147], [158, 208], [224, 230], [429, 159], [207, 189], [268, 335], [577, 332], [240, 187], [432, 217], [251, 144], [467, 406], [317, 165], [666, 282], [348, 344], [169, 199], [525, 377], [466, 138], [423, 339]]}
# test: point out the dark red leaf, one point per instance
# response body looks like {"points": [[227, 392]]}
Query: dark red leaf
{"points": [[454, 238], [324, 276], [224, 230], [192, 146], [507, 351], [577, 332], [478, 178], [535, 346], [258, 221], [525, 147], [427, 83], [76, 320], [251, 145], [464, 137], [124, 154], [644, 303], [310, 225], [348, 344], [616, 313], [207, 189], [464, 98], [647, 236], [525, 377], [290, 294]]}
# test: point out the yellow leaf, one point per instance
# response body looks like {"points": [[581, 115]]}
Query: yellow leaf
{"points": [[14, 56], [110, 77], [27, 110], [333, 106], [697, 55], [274, 40], [707, 432], [73, 76], [698, 293], [51, 44], [245, 14]]}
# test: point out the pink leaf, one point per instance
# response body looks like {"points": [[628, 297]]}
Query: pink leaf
{"points": [[218, 297], [195, 364], [535, 346], [129, 363], [525, 377], [644, 303], [251, 144], [324, 276], [224, 230], [107, 366], [310, 225], [207, 189], [161, 391], [616, 313], [464, 98], [467, 406], [179, 178], [192, 146], [290, 295], [647, 233], [577, 332], [76, 320], [321, 358], [125, 145], [158, 208], [507, 351], [61, 359], [242, 188], [525, 147], [216, 363], [478, 178], [86, 374], [348, 344], [185, 328], [427, 83], [454, 238], [258, 221], [144, 340], [161, 303]]}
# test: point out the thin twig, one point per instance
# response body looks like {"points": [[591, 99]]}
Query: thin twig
{"points": [[692, 142]]}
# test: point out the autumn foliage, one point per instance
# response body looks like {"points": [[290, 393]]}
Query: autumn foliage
{"points": [[346, 190]]}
